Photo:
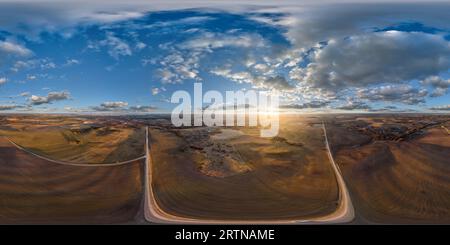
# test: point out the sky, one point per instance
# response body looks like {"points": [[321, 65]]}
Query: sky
{"points": [[117, 57]]}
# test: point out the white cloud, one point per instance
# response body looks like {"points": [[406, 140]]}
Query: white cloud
{"points": [[309, 25], [7, 47], [183, 21], [208, 41], [394, 93], [121, 106], [43, 64], [156, 91], [31, 77], [111, 106], [141, 108], [116, 46], [9, 107], [71, 62], [107, 17], [258, 82], [439, 84], [440, 108], [179, 66], [116, 104], [354, 105], [140, 45], [3, 80], [391, 56], [307, 105], [51, 97]]}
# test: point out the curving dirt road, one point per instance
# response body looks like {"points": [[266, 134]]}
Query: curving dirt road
{"points": [[153, 213], [72, 163]]}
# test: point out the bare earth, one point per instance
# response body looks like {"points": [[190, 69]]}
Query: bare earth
{"points": [[33, 190], [245, 177], [395, 176]]}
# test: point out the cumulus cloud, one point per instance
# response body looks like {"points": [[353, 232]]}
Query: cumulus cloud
{"points": [[51, 97], [111, 106], [182, 22], [116, 46], [439, 84], [140, 45], [183, 61], [43, 64], [440, 108], [338, 42], [121, 106], [179, 66], [307, 105], [62, 18], [9, 107], [208, 41], [259, 82], [3, 80], [156, 91], [309, 25], [142, 108], [71, 62], [390, 57], [113, 16], [403, 93], [10, 48], [354, 105]]}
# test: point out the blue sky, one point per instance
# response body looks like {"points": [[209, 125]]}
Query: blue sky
{"points": [[130, 58]]}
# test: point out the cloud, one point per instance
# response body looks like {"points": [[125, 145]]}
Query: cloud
{"points": [[349, 47], [71, 62], [51, 97], [307, 105], [140, 108], [179, 66], [47, 64], [121, 106], [439, 84], [440, 108], [140, 45], [9, 107], [183, 61], [116, 46], [63, 18], [259, 82], [108, 17], [403, 93], [354, 105], [43, 64], [156, 91], [111, 106], [382, 57], [3, 80], [309, 25], [207, 41], [183, 22], [25, 94], [31, 77], [10, 48]]}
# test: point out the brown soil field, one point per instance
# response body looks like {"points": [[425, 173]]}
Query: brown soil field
{"points": [[34, 191], [70, 140], [288, 177], [396, 181]]}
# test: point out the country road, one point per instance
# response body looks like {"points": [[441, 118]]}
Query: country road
{"points": [[153, 213], [344, 213], [72, 163]]}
